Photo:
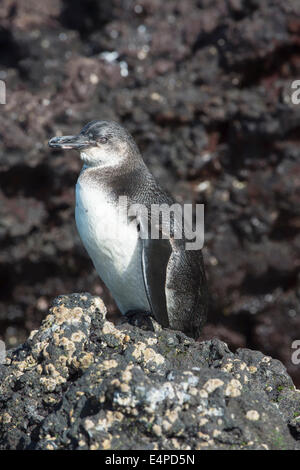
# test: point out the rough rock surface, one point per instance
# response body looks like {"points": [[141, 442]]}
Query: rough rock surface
{"points": [[79, 382], [205, 87]]}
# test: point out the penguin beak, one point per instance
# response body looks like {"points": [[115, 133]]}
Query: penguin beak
{"points": [[70, 142]]}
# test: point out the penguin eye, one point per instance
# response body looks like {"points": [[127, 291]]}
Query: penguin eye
{"points": [[103, 140]]}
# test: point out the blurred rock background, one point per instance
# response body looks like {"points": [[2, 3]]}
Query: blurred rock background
{"points": [[205, 88]]}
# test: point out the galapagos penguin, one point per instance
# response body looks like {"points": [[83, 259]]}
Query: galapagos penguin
{"points": [[157, 277]]}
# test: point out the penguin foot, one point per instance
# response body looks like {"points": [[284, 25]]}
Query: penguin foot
{"points": [[140, 319]]}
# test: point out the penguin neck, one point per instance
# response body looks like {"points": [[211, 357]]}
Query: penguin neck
{"points": [[126, 180], [113, 165], [108, 162]]}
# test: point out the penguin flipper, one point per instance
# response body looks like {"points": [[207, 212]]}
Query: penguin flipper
{"points": [[155, 258]]}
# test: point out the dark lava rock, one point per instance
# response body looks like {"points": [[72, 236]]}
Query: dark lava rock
{"points": [[80, 382]]}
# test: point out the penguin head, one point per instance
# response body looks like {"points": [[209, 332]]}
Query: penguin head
{"points": [[101, 144]]}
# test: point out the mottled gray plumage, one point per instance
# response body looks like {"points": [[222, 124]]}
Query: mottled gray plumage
{"points": [[174, 278]]}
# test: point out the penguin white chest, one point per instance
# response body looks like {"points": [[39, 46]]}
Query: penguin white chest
{"points": [[113, 246]]}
